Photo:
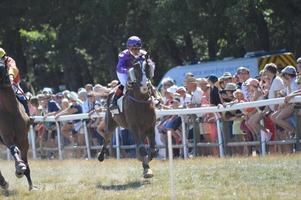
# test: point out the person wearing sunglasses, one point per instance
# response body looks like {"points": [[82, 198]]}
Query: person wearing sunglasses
{"points": [[126, 59]]}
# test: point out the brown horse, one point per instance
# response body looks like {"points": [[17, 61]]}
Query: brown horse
{"points": [[138, 115], [14, 126]]}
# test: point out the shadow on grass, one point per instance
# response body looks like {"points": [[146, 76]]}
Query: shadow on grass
{"points": [[8, 193], [118, 187]]}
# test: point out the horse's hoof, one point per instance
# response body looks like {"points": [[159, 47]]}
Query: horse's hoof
{"points": [[33, 188], [19, 175], [100, 157], [148, 173], [5, 186], [20, 168]]}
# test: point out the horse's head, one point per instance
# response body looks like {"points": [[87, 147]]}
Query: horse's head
{"points": [[4, 78], [140, 75]]}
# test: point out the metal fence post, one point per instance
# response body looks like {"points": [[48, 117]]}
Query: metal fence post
{"points": [[263, 143], [117, 143], [298, 128], [33, 142], [87, 140], [219, 136], [263, 140], [184, 138], [196, 136], [59, 140]]}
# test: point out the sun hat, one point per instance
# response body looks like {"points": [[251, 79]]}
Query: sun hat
{"points": [[230, 87], [289, 70], [226, 75], [172, 89]]}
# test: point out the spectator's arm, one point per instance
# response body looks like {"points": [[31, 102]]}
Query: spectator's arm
{"points": [[67, 111], [101, 94], [291, 95], [50, 114]]}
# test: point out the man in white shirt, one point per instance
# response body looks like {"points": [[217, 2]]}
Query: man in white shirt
{"points": [[244, 75], [276, 83], [289, 75], [195, 91]]}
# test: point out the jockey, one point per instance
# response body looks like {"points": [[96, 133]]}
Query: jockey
{"points": [[126, 59], [14, 77]]}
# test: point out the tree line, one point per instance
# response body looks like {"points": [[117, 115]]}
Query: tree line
{"points": [[76, 42]]}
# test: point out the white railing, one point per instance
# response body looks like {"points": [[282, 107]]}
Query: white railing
{"points": [[159, 113]]}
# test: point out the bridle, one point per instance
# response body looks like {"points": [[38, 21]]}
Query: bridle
{"points": [[138, 80]]}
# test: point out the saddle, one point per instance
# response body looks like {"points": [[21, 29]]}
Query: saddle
{"points": [[119, 104]]}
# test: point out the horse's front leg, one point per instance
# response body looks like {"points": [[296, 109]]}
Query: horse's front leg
{"points": [[104, 150], [152, 144], [3, 184], [19, 163], [143, 155]]}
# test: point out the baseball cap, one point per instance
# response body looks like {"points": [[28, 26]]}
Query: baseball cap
{"points": [[212, 78], [242, 68]]}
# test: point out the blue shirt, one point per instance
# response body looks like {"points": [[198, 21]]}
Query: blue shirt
{"points": [[53, 106]]}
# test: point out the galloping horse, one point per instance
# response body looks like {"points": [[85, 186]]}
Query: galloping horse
{"points": [[138, 115], [14, 126]]}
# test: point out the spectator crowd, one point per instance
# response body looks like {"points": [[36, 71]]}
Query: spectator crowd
{"points": [[274, 122]]}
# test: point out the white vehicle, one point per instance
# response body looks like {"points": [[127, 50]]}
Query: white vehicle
{"points": [[255, 61]]}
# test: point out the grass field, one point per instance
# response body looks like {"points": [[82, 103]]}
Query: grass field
{"points": [[271, 177]]}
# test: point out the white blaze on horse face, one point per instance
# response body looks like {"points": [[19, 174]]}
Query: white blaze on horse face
{"points": [[152, 71], [144, 84], [132, 74], [151, 65], [144, 80]]}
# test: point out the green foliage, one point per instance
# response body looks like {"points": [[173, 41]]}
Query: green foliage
{"points": [[76, 42]]}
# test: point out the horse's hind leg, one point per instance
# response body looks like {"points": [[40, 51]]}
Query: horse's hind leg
{"points": [[24, 151], [15, 152], [19, 163], [3, 184]]}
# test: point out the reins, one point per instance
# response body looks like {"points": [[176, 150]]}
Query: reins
{"points": [[149, 100]]}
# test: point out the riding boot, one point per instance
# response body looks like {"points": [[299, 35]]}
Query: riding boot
{"points": [[23, 101], [117, 95]]}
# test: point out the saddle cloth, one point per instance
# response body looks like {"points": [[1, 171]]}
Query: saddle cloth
{"points": [[120, 107]]}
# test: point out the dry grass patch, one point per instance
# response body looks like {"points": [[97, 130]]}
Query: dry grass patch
{"points": [[271, 177]]}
